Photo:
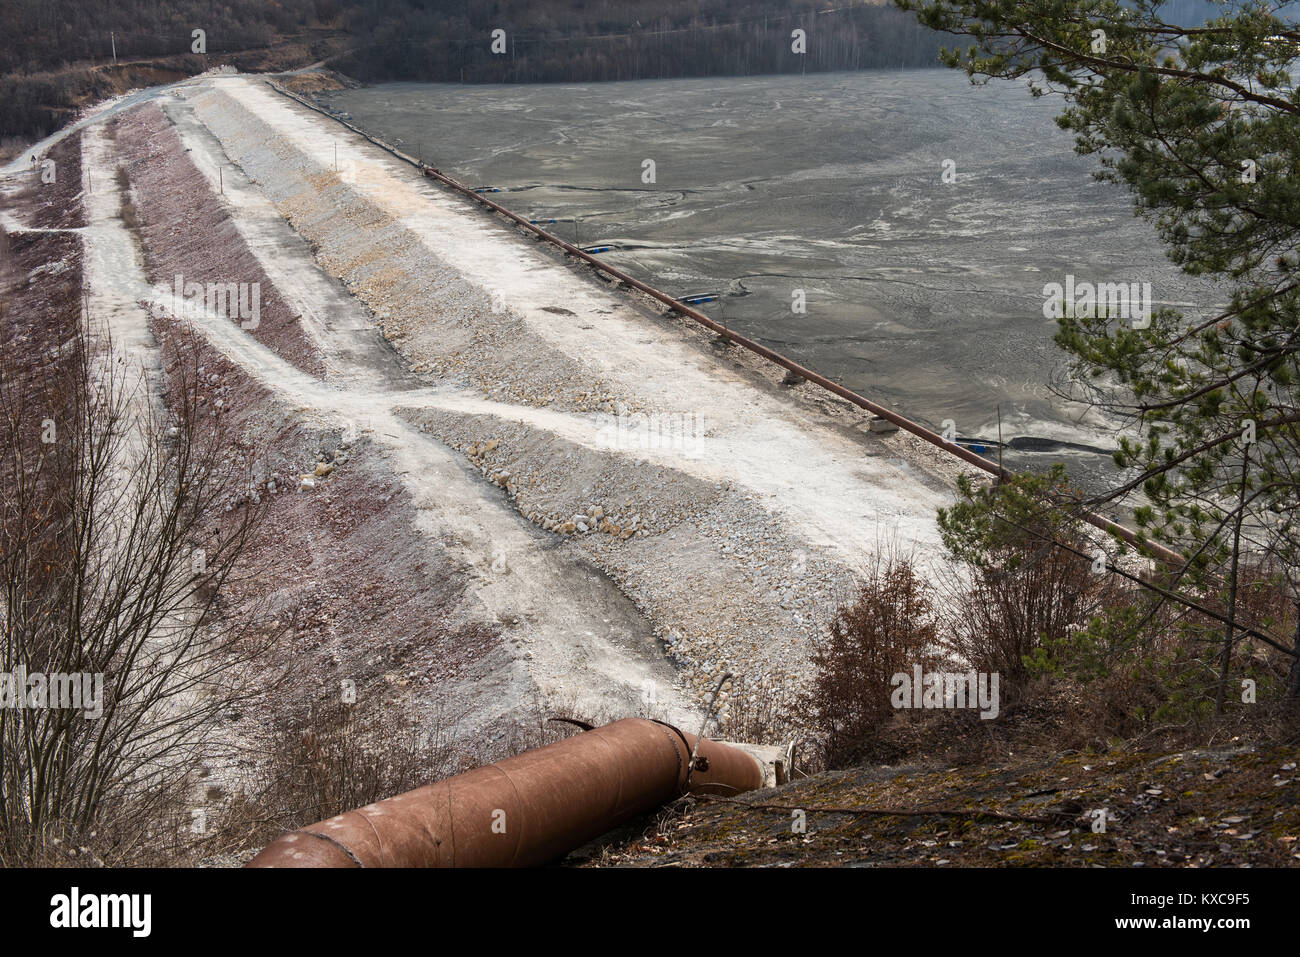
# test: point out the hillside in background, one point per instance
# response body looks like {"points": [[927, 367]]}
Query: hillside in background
{"points": [[61, 56], [574, 41]]}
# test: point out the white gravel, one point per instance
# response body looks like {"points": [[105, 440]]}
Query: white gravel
{"points": [[735, 544]]}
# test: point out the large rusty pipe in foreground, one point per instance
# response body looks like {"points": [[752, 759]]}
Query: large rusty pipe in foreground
{"points": [[527, 810]]}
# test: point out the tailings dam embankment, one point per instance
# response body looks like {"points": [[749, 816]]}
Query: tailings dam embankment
{"points": [[626, 505]]}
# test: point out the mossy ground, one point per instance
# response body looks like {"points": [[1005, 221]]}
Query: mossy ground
{"points": [[1222, 807]]}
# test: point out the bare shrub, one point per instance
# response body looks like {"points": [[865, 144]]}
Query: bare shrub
{"points": [[113, 565], [1014, 602], [758, 715], [887, 630], [1023, 578], [335, 757], [1143, 662], [332, 758]]}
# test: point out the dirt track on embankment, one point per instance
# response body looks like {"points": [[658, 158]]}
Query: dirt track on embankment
{"points": [[539, 487]]}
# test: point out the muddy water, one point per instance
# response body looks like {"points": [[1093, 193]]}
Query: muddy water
{"points": [[924, 295]]}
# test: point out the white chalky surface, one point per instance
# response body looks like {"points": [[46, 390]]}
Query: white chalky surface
{"points": [[735, 548]]}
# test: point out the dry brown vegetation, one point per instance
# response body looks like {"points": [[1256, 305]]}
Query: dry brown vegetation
{"points": [[1227, 805], [890, 628], [1085, 661], [107, 570]]}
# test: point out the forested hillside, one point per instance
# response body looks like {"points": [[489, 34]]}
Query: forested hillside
{"points": [[57, 56], [44, 35], [580, 41]]}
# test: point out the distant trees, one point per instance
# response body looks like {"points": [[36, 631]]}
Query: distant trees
{"points": [[441, 41], [42, 35], [568, 43], [52, 52]]}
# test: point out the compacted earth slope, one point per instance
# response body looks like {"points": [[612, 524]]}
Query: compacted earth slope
{"points": [[491, 479], [731, 509]]}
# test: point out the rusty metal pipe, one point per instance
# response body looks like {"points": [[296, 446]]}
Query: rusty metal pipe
{"points": [[907, 425], [527, 810]]}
